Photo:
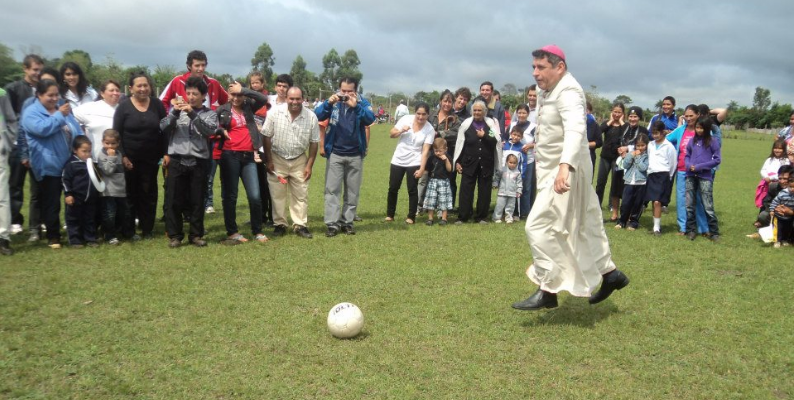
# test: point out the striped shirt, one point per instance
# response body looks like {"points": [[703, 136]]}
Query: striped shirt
{"points": [[290, 138]]}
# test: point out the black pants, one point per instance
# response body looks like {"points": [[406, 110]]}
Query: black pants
{"points": [[185, 192], [114, 213], [466, 197], [632, 206], [785, 230], [395, 181], [141, 195], [453, 176], [264, 190], [50, 199], [615, 188], [80, 221], [16, 186]]}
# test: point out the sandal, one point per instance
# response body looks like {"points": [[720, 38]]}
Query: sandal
{"points": [[238, 237], [409, 221], [389, 219], [261, 238]]}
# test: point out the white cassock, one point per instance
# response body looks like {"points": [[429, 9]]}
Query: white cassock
{"points": [[569, 245]]}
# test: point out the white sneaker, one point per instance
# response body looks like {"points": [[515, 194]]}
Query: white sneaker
{"points": [[777, 245], [113, 242], [209, 210], [509, 221], [16, 229], [498, 221]]}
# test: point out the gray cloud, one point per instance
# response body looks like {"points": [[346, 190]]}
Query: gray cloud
{"points": [[695, 51]]}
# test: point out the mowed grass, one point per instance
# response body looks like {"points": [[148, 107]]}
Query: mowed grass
{"points": [[699, 320]]}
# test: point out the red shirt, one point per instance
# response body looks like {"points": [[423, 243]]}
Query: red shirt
{"points": [[239, 137], [685, 138]]}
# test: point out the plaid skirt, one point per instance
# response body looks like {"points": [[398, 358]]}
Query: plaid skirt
{"points": [[438, 195]]}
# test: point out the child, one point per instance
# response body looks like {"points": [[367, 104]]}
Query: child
{"points": [[635, 165], [776, 159], [764, 216], [80, 196], [662, 161], [438, 194], [509, 183], [782, 206], [702, 155], [114, 198], [515, 146]]}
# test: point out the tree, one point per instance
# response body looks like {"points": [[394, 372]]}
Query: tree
{"points": [[762, 99], [331, 65], [162, 76], [733, 105], [263, 60], [509, 89], [110, 69], [300, 76], [83, 59], [10, 70], [626, 100]]}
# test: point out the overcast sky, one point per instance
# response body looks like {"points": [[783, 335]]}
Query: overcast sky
{"points": [[696, 51]]}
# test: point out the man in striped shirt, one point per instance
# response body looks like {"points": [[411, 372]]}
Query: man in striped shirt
{"points": [[288, 134]]}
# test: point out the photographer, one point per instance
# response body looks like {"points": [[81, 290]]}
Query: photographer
{"points": [[345, 145]]}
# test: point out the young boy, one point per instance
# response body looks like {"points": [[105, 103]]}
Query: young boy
{"points": [[509, 184], [114, 198], [187, 128], [662, 162], [783, 177], [634, 178], [515, 146], [438, 194], [783, 209], [80, 196]]}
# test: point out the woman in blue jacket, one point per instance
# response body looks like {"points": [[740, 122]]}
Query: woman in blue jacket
{"points": [[50, 129]]}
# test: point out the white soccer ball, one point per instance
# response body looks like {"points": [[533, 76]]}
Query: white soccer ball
{"points": [[345, 320]]}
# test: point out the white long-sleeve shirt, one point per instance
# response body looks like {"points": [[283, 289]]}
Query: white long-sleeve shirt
{"points": [[662, 157], [771, 165]]}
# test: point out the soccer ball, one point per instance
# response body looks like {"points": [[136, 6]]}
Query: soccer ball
{"points": [[345, 320]]}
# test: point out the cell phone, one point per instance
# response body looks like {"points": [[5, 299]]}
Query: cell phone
{"points": [[180, 99]]}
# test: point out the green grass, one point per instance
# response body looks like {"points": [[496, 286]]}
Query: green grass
{"points": [[699, 320]]}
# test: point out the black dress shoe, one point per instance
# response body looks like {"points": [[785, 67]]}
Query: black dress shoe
{"points": [[538, 301], [614, 280], [303, 232], [331, 232], [279, 230], [348, 230], [691, 235], [5, 247]]}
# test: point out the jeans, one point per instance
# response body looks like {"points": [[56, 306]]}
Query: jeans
{"points": [[704, 188], [114, 213], [236, 165], [185, 194], [347, 172], [213, 167], [680, 206], [395, 181]]}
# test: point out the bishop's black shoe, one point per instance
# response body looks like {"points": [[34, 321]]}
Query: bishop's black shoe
{"points": [[614, 280], [538, 301]]}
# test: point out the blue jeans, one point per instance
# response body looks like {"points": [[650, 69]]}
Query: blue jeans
{"points": [[704, 188], [236, 165], [680, 206], [210, 179], [114, 212]]}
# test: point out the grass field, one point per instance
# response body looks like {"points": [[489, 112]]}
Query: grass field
{"points": [[699, 320]]}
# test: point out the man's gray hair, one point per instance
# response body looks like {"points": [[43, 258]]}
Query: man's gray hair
{"points": [[554, 59]]}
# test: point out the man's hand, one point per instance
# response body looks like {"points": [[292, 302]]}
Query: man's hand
{"points": [[561, 182], [352, 99], [271, 168], [166, 161], [307, 172], [25, 163], [127, 163], [69, 200], [458, 168]]}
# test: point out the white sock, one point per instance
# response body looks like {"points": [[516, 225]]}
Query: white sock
{"points": [[657, 224]]}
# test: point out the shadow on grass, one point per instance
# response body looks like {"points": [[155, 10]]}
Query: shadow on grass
{"points": [[573, 311]]}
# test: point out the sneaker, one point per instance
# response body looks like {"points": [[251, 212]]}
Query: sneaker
{"points": [[54, 244], [16, 229], [348, 230], [357, 219], [657, 233], [303, 232], [508, 220], [631, 228], [715, 238], [483, 222], [114, 242], [136, 238], [429, 222], [174, 243], [198, 242], [665, 210], [691, 235], [331, 232], [5, 247], [777, 245], [34, 237], [443, 222], [261, 238], [458, 222], [498, 221], [786, 244], [209, 210]]}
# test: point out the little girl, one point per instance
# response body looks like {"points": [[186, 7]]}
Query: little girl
{"points": [[662, 164], [509, 183], [438, 194], [702, 155], [776, 159], [636, 166]]}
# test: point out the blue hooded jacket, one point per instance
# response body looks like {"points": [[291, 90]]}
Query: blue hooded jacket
{"points": [[46, 138], [364, 118]]}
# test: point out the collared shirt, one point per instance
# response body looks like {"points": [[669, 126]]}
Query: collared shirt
{"points": [[291, 138]]}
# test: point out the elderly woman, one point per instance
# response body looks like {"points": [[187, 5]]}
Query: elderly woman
{"points": [[97, 116], [415, 136], [50, 129], [137, 119], [477, 153], [75, 88]]}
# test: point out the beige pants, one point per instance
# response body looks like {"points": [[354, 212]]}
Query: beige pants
{"points": [[295, 191]]}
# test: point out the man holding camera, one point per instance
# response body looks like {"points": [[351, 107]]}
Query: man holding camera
{"points": [[345, 146]]}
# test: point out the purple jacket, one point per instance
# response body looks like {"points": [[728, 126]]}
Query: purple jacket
{"points": [[704, 159]]}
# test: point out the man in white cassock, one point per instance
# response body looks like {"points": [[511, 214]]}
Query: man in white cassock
{"points": [[569, 245]]}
